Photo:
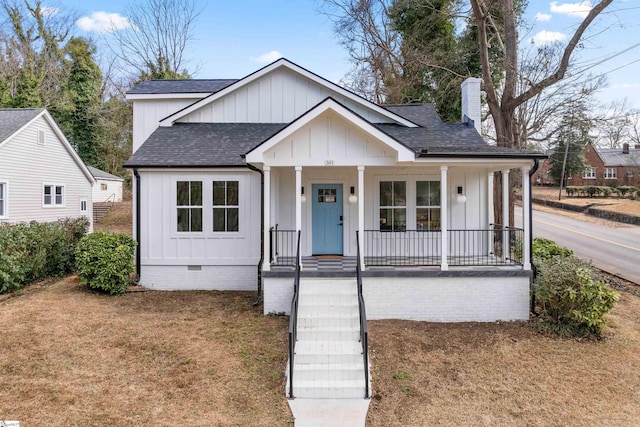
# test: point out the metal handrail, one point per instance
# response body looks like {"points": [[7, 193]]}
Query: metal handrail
{"points": [[364, 332], [293, 318], [112, 195]]}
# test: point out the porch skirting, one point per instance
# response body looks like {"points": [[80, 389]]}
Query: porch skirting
{"points": [[432, 296], [205, 277]]}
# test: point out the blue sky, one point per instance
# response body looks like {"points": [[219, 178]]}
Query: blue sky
{"points": [[234, 38]]}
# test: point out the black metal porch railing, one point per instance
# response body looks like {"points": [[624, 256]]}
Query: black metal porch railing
{"points": [[282, 247], [417, 248], [293, 318], [364, 333]]}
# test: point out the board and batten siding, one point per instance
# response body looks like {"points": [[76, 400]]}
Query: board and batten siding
{"points": [[471, 215], [279, 97], [147, 114], [204, 260], [28, 165]]}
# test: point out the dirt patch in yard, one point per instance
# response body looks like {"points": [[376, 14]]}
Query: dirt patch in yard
{"points": [[74, 357], [118, 220], [505, 374], [613, 204]]}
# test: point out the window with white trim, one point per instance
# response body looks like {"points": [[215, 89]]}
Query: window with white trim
{"points": [[427, 205], [225, 206], [393, 205], [83, 206], [589, 173], [53, 195], [610, 173], [189, 206], [3, 200]]}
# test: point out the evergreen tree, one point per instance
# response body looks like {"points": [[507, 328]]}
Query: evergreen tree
{"points": [[570, 142]]}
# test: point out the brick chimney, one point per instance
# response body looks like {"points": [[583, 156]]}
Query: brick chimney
{"points": [[625, 148], [471, 102]]}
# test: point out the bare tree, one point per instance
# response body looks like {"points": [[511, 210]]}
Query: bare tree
{"points": [[155, 43], [614, 124]]}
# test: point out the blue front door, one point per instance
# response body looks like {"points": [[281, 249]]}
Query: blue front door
{"points": [[326, 218]]}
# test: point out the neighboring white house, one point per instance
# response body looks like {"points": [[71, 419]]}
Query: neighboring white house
{"points": [[227, 171], [41, 176], [108, 187]]}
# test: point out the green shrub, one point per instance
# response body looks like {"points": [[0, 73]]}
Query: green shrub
{"points": [[572, 299], [544, 249], [105, 261], [571, 190], [34, 251]]}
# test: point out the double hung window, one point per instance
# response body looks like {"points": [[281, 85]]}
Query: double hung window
{"points": [[53, 195], [189, 205], [393, 205], [225, 206], [428, 205]]}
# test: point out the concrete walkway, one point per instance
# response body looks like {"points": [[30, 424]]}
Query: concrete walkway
{"points": [[329, 412]]}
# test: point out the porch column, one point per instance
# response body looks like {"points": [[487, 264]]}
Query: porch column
{"points": [[266, 263], [505, 214], [526, 218], [490, 216], [444, 214], [361, 213], [298, 202]]}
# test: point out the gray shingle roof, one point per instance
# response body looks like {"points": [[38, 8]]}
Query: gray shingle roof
{"points": [[151, 87], [421, 114], [12, 119], [202, 144], [615, 157], [100, 174]]}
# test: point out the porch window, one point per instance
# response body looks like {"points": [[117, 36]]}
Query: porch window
{"points": [[610, 173], [189, 205], [589, 173], [225, 202], [428, 205], [393, 205], [53, 195]]}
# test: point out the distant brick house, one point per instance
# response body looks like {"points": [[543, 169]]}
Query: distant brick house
{"points": [[607, 166]]}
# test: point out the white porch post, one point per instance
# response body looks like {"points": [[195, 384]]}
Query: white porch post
{"points": [[505, 214], [490, 216], [266, 263], [298, 202], [526, 220], [444, 208], [361, 213]]}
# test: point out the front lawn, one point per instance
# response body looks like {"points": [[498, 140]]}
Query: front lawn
{"points": [[71, 356]]}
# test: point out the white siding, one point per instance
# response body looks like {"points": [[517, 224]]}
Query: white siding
{"points": [[27, 166], [279, 97], [113, 192], [161, 245], [469, 215], [148, 113]]}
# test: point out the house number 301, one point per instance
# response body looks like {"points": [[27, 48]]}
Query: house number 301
{"points": [[328, 162]]}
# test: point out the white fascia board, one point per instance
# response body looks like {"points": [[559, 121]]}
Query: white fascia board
{"points": [[489, 162], [282, 62], [329, 104], [159, 96], [69, 148]]}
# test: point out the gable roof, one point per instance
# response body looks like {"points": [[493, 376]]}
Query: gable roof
{"points": [[284, 63], [153, 87], [100, 174], [14, 120], [615, 157]]}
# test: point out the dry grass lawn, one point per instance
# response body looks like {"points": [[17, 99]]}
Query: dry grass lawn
{"points": [[73, 357], [631, 207]]}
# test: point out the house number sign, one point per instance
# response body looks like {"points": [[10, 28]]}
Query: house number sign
{"points": [[328, 162]]}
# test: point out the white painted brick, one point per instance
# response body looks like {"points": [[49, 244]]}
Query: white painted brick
{"points": [[450, 299], [180, 277], [471, 101], [278, 292]]}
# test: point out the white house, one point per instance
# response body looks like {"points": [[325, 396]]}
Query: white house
{"points": [[41, 176], [227, 174], [108, 187]]}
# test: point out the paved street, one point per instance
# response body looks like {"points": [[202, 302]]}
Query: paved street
{"points": [[616, 250]]}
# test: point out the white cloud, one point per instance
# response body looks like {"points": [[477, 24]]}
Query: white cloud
{"points": [[543, 17], [580, 9], [268, 57], [49, 11], [625, 86], [547, 37], [103, 22]]}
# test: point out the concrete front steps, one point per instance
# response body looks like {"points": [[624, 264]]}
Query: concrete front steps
{"points": [[328, 361]]}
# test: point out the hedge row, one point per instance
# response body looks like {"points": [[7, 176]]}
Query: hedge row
{"points": [[603, 191], [34, 251]]}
